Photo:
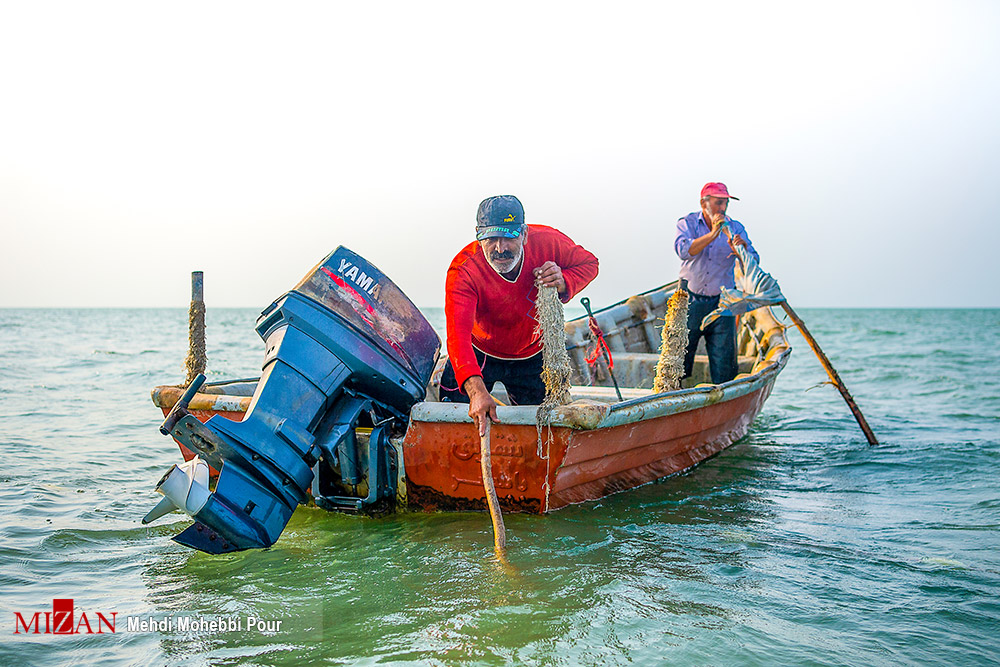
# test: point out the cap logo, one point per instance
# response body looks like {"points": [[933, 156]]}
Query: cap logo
{"points": [[509, 218]]}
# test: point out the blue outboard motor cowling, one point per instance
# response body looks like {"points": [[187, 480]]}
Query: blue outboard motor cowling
{"points": [[345, 351]]}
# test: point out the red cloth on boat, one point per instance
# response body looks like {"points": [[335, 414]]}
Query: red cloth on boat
{"points": [[496, 315]]}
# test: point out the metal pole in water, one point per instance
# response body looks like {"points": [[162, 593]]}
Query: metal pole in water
{"points": [[196, 357]]}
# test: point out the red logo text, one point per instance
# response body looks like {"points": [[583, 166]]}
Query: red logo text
{"points": [[63, 620]]}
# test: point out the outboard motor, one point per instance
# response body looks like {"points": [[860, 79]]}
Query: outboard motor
{"points": [[345, 351]]}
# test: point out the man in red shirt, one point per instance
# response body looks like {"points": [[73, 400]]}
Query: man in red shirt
{"points": [[490, 294]]}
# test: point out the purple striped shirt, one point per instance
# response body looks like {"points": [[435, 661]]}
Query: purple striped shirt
{"points": [[712, 268]]}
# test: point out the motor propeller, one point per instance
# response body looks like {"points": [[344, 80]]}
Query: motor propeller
{"points": [[184, 487]]}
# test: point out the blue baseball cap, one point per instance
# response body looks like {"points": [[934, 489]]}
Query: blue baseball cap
{"points": [[501, 215]]}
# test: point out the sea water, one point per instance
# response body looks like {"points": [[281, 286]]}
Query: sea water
{"points": [[798, 545]]}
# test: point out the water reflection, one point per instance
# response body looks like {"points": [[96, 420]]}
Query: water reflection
{"points": [[420, 586]]}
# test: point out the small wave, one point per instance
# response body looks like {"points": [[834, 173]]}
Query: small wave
{"points": [[39, 414], [949, 354], [941, 562], [738, 535], [969, 415], [85, 539], [812, 424]]}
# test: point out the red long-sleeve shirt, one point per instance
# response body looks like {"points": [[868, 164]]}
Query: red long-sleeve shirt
{"points": [[496, 315]]}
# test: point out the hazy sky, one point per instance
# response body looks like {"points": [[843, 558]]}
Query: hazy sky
{"points": [[140, 141]]}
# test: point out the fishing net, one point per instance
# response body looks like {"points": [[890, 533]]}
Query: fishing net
{"points": [[673, 344], [196, 357], [556, 368], [754, 289]]}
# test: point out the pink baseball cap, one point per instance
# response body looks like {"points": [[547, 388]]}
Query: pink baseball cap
{"points": [[716, 190]]}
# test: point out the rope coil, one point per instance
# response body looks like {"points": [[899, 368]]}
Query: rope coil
{"points": [[673, 344]]}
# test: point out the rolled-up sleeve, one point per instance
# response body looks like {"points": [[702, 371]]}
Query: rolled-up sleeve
{"points": [[682, 243], [579, 267]]}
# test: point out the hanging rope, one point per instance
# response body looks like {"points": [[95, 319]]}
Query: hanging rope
{"points": [[556, 367], [601, 348]]}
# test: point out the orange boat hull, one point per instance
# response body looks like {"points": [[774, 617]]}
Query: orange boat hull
{"points": [[443, 470]]}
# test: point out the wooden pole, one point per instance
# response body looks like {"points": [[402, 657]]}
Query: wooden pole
{"points": [[197, 285], [196, 357], [499, 532], [832, 372]]}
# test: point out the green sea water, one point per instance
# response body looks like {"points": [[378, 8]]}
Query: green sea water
{"points": [[798, 545]]}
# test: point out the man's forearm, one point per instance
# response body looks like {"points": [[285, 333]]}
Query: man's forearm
{"points": [[702, 242]]}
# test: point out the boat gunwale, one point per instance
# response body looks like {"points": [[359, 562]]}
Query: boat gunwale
{"points": [[592, 416], [579, 416]]}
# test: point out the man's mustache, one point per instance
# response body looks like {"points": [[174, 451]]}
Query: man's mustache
{"points": [[506, 254]]}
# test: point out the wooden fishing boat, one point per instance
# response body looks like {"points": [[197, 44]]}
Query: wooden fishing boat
{"points": [[595, 446]]}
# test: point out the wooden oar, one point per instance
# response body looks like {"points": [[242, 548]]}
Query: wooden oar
{"points": [[832, 372], [499, 532], [827, 366]]}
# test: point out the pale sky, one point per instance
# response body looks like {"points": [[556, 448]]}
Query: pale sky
{"points": [[141, 141]]}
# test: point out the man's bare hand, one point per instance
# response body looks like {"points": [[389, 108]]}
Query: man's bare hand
{"points": [[481, 403], [735, 241], [550, 275], [718, 220]]}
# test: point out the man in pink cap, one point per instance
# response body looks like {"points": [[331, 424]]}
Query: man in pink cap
{"points": [[707, 262]]}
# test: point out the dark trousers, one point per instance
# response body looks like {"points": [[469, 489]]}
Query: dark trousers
{"points": [[521, 377], [720, 339]]}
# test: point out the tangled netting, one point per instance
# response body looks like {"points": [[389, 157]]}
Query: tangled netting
{"points": [[556, 368], [754, 288], [196, 358], [673, 344]]}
